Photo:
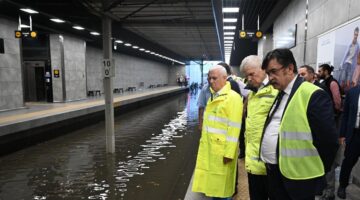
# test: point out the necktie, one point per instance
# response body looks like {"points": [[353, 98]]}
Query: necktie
{"points": [[277, 104]]}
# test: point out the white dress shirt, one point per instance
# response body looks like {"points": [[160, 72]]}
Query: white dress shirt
{"points": [[271, 135]]}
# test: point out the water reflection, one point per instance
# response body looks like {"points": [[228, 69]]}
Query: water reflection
{"points": [[150, 153], [155, 153]]}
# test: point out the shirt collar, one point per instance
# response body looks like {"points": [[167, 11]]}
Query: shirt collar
{"points": [[290, 86], [265, 82]]}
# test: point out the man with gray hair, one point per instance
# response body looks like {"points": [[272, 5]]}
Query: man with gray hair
{"points": [[260, 100], [215, 170]]}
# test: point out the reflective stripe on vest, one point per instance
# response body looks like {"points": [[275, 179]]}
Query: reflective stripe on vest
{"points": [[296, 136], [299, 152]]}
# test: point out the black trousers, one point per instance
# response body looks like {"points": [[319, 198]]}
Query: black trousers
{"points": [[281, 188], [258, 188], [351, 156]]}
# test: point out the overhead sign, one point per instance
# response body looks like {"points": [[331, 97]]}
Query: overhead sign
{"points": [[24, 34], [248, 34], [109, 68]]}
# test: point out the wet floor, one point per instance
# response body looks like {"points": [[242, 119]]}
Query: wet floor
{"points": [[155, 156]]}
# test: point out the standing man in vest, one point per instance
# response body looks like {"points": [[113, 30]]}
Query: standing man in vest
{"points": [[216, 163], [299, 141], [260, 100]]}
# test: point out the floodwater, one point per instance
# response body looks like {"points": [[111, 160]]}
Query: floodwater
{"points": [[155, 156]]}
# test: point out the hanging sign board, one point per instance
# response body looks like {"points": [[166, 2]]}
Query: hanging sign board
{"points": [[249, 34]]}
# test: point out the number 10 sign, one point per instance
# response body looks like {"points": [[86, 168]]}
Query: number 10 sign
{"points": [[109, 67]]}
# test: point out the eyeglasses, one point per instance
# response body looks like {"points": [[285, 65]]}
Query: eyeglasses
{"points": [[274, 71]]}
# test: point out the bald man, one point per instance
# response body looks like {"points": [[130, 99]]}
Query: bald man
{"points": [[215, 171]]}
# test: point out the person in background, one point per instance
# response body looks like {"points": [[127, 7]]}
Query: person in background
{"points": [[299, 141], [259, 102], [349, 137], [333, 87], [216, 163]]}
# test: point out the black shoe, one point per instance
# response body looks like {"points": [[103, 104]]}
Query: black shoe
{"points": [[341, 193]]}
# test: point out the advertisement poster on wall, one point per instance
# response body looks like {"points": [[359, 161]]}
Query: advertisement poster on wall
{"points": [[340, 48]]}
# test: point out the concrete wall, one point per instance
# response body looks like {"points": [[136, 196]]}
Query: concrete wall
{"points": [[11, 89], [75, 71], [324, 15], [56, 55], [129, 71], [68, 56]]}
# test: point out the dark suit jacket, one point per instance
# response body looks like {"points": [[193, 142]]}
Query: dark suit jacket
{"points": [[322, 124], [350, 112], [234, 85]]}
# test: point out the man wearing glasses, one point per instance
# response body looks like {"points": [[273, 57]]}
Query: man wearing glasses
{"points": [[299, 140]]}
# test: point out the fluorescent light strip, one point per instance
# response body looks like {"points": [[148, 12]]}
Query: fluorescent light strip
{"points": [[119, 41], [229, 33], [141, 49], [231, 10], [57, 20], [228, 41], [94, 33], [228, 38], [30, 11], [78, 27], [127, 44], [135, 47], [229, 27], [229, 20]]}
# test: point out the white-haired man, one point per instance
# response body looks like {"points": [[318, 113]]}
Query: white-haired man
{"points": [[259, 103], [215, 171]]}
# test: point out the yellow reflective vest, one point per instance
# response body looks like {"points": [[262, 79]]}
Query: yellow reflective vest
{"points": [[258, 107], [298, 157], [219, 139]]}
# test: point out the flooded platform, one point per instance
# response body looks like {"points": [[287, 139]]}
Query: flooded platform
{"points": [[155, 155], [37, 121]]}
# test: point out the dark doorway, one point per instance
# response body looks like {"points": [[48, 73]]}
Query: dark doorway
{"points": [[40, 83], [37, 68]]}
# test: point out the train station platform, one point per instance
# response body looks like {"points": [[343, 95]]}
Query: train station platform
{"points": [[41, 115]]}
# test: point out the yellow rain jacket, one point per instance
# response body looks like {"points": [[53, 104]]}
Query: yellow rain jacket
{"points": [[219, 139], [258, 107]]}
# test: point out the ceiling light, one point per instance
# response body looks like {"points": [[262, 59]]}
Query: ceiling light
{"points": [[24, 26], [78, 27], [228, 41], [228, 38], [147, 51], [30, 11], [119, 41], [231, 10], [229, 27], [141, 49], [228, 45], [127, 44], [152, 53], [94, 33], [135, 47], [229, 33], [229, 20], [57, 20]]}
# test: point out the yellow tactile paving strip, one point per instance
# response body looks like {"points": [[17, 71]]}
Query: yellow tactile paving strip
{"points": [[72, 106]]}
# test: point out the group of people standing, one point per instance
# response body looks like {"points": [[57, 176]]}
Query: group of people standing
{"points": [[289, 125]]}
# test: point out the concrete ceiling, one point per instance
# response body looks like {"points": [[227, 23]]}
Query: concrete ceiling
{"points": [[180, 29]]}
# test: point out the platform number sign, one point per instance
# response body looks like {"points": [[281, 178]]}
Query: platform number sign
{"points": [[109, 67]]}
